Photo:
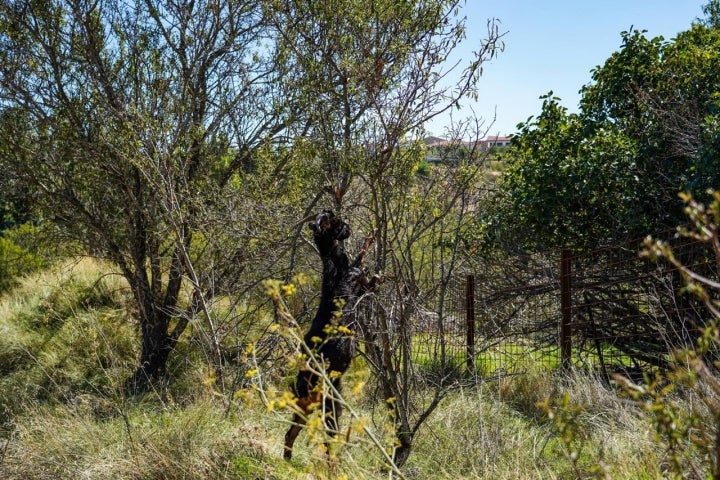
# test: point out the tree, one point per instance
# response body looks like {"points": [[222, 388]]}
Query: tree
{"points": [[172, 137], [371, 74], [157, 133], [646, 130], [368, 75], [124, 120], [564, 189]]}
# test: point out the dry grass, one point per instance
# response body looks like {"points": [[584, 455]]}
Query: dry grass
{"points": [[67, 340], [496, 432], [141, 442]]}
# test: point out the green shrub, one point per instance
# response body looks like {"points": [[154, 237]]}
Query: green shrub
{"points": [[15, 261]]}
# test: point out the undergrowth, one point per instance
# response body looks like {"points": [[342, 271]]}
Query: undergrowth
{"points": [[68, 341]]}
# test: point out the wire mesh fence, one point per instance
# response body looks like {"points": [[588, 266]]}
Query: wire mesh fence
{"points": [[630, 313], [609, 310]]}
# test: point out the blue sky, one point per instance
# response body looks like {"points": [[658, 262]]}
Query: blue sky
{"points": [[554, 45]]}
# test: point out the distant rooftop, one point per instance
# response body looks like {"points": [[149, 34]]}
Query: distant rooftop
{"points": [[487, 142]]}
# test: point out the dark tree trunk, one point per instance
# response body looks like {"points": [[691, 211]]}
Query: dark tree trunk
{"points": [[402, 452], [156, 339], [156, 346]]}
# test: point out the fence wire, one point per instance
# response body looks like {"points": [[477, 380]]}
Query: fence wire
{"points": [[626, 313]]}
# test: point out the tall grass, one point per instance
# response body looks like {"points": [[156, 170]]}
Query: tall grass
{"points": [[68, 340], [63, 331], [499, 431]]}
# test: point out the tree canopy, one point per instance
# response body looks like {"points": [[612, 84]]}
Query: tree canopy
{"points": [[646, 130], [183, 140]]}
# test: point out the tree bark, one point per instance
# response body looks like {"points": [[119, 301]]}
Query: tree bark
{"points": [[153, 357], [402, 453], [155, 315]]}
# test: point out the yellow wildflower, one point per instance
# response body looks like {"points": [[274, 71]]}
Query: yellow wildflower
{"points": [[288, 289], [357, 388]]}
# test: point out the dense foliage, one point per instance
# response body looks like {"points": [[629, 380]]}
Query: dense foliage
{"points": [[169, 137], [185, 141], [646, 129]]}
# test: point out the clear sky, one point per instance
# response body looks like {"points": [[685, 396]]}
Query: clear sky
{"points": [[554, 45]]}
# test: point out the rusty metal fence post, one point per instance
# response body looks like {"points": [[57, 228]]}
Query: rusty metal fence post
{"points": [[470, 322], [566, 310]]}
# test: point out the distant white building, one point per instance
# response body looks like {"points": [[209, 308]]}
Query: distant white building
{"points": [[492, 141], [495, 141]]}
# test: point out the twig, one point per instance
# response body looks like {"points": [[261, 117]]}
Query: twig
{"points": [[363, 251]]}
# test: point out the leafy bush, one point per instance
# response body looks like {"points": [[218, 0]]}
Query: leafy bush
{"points": [[15, 259]]}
